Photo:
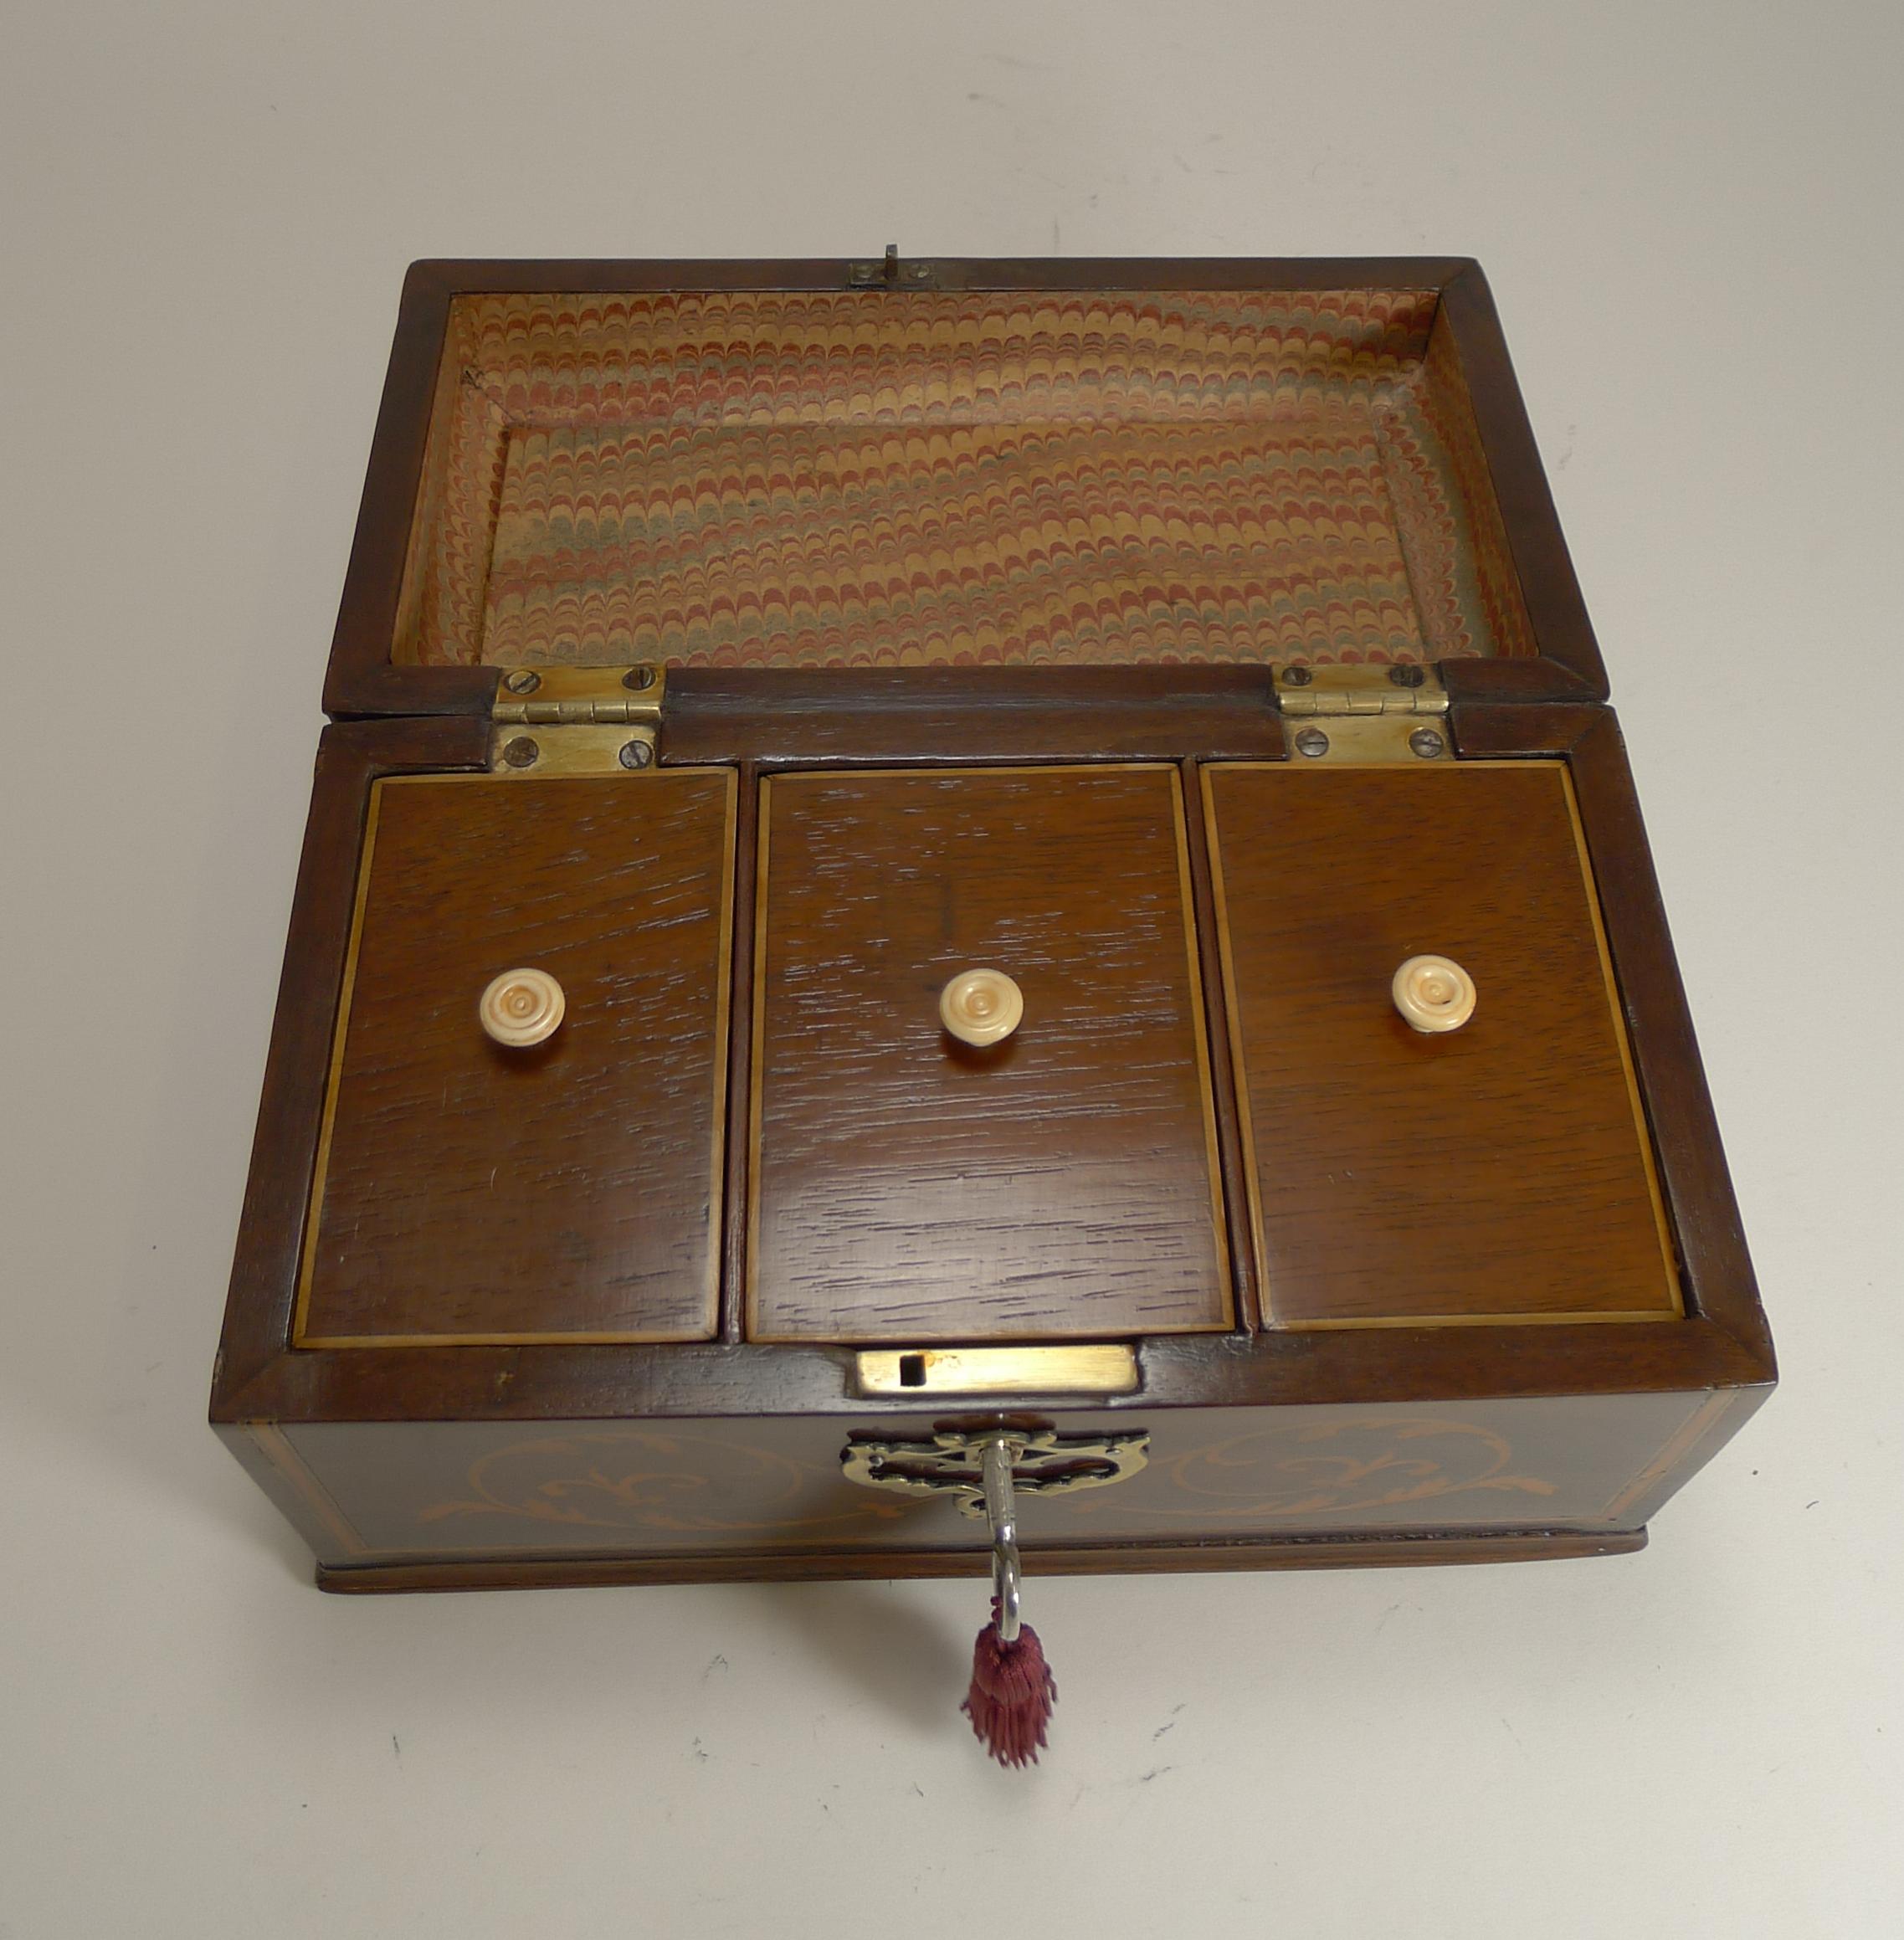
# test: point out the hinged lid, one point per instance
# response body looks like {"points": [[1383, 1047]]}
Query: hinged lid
{"points": [[721, 468]]}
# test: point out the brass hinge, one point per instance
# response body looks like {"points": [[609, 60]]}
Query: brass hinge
{"points": [[577, 721], [580, 697], [891, 274], [1359, 715]]}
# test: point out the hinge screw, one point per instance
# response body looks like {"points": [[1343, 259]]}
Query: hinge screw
{"points": [[636, 754], [1428, 743], [522, 680], [639, 678], [1405, 676], [522, 752], [1313, 743], [1296, 676]]}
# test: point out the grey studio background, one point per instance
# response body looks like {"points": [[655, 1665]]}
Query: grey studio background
{"points": [[1689, 214]]}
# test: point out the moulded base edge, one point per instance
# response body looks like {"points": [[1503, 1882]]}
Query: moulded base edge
{"points": [[1318, 1551]]}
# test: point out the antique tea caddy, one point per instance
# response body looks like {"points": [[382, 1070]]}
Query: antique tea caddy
{"points": [[954, 885]]}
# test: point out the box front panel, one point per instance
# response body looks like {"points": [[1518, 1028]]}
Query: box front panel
{"points": [[471, 1189], [458, 1490], [908, 1187]]}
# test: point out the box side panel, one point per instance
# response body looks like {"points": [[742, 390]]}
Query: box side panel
{"points": [[260, 1449]]}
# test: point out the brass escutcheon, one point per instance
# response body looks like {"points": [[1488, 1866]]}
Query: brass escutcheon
{"points": [[1043, 1463]]}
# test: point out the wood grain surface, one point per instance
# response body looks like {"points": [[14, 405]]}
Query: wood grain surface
{"points": [[1497, 1172], [906, 1188], [470, 1192]]}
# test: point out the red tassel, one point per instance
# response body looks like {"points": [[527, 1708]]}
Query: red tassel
{"points": [[1012, 1693]]}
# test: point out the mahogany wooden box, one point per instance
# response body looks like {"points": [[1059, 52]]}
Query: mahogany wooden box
{"points": [[753, 649]]}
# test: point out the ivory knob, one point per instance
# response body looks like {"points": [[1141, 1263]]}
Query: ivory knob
{"points": [[522, 1007], [981, 1007], [1434, 993]]}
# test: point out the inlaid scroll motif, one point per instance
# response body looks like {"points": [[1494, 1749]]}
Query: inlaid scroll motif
{"points": [[1283, 1470], [623, 1479]]}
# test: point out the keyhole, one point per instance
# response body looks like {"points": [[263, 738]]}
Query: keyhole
{"points": [[912, 1370]]}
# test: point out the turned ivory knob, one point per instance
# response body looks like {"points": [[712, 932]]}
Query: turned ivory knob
{"points": [[1434, 993], [522, 1007], [981, 1007]]}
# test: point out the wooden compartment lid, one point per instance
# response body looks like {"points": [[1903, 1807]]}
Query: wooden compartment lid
{"points": [[1442, 1122], [721, 468], [914, 1180], [522, 1134]]}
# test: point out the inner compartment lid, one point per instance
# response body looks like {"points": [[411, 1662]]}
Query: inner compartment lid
{"points": [[1169, 463]]}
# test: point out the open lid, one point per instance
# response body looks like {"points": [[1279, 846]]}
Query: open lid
{"points": [[952, 464]]}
